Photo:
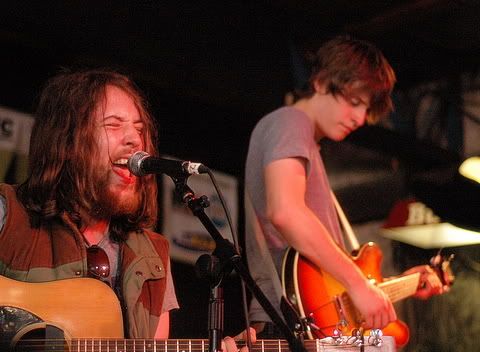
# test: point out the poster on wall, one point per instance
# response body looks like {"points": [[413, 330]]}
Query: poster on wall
{"points": [[15, 130], [188, 238]]}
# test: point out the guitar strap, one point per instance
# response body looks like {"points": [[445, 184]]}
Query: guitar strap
{"points": [[347, 228], [118, 290]]}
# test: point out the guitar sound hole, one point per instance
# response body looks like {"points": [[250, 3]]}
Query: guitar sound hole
{"points": [[49, 338]]}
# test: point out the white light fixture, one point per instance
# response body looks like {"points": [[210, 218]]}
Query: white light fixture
{"points": [[470, 168]]}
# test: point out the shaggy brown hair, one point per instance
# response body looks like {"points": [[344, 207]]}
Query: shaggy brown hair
{"points": [[346, 65], [63, 145]]}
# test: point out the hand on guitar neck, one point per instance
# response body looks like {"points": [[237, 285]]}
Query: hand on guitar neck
{"points": [[435, 279], [229, 343], [319, 296]]}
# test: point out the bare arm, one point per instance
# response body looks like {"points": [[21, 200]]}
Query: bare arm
{"points": [[285, 181], [163, 328]]}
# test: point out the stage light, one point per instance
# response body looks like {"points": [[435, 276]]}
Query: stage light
{"points": [[470, 168], [453, 193], [411, 221]]}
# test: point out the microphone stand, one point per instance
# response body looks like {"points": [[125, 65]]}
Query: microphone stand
{"points": [[228, 259]]}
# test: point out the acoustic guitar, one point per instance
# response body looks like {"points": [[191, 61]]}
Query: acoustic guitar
{"points": [[323, 301], [84, 315]]}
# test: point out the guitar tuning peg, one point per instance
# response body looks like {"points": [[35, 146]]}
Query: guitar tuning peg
{"points": [[436, 260], [375, 337], [357, 332], [337, 333], [376, 332]]}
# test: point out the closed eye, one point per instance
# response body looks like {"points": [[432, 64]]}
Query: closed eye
{"points": [[355, 101], [140, 128], [112, 121]]}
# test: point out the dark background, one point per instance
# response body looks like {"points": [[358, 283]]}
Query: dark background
{"points": [[211, 69]]}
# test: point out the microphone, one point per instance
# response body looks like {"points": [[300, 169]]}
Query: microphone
{"points": [[141, 163]]}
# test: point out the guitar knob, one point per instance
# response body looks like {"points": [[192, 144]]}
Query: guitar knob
{"points": [[375, 337]]}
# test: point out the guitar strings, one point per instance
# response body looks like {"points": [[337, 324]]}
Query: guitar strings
{"points": [[133, 345]]}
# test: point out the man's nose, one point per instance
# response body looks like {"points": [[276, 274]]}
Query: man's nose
{"points": [[359, 118], [132, 137]]}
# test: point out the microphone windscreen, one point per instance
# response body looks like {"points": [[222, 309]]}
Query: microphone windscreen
{"points": [[134, 163]]}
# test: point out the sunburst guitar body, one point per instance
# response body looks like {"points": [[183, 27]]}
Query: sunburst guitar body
{"points": [[321, 299]]}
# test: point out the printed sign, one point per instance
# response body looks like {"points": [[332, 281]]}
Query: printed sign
{"points": [[187, 236], [15, 130]]}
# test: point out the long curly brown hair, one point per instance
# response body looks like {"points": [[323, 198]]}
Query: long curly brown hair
{"points": [[62, 147]]}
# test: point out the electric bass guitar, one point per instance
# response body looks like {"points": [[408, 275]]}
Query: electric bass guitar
{"points": [[323, 302], [84, 315]]}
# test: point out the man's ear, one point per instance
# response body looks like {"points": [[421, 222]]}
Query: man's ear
{"points": [[319, 87]]}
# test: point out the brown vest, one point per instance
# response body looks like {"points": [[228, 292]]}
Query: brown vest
{"points": [[58, 252]]}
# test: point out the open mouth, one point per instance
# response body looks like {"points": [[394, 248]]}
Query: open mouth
{"points": [[122, 162], [120, 168]]}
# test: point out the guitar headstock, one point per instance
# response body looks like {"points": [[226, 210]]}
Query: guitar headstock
{"points": [[441, 265]]}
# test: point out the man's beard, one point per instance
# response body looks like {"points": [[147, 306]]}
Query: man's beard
{"points": [[110, 204]]}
